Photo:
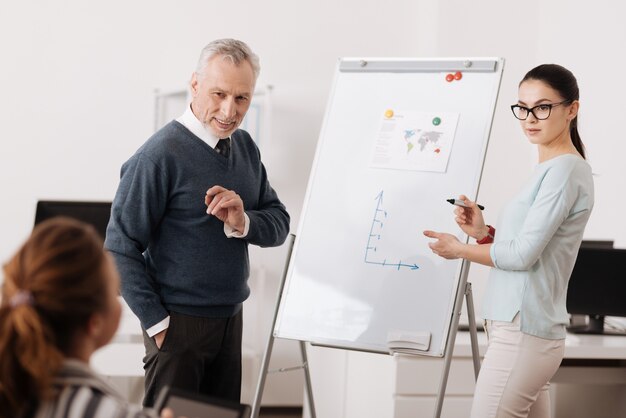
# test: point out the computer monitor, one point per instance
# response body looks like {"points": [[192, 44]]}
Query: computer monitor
{"points": [[597, 286], [94, 213]]}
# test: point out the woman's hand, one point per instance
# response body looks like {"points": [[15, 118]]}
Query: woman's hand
{"points": [[470, 219], [447, 245]]}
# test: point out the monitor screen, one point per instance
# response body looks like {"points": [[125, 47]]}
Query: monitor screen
{"points": [[95, 213], [597, 286]]}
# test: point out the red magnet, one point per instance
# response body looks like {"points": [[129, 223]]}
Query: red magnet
{"points": [[458, 75], [450, 78]]}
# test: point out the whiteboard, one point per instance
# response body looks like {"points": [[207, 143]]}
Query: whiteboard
{"points": [[398, 139]]}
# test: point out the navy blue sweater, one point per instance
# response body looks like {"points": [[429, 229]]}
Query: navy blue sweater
{"points": [[171, 255]]}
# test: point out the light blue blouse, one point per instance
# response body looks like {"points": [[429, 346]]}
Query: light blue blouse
{"points": [[536, 243]]}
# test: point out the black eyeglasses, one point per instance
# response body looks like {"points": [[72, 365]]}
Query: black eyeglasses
{"points": [[540, 112]]}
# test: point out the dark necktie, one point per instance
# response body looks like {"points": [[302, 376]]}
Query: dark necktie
{"points": [[223, 147]]}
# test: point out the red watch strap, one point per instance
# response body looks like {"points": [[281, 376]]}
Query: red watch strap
{"points": [[489, 238]]}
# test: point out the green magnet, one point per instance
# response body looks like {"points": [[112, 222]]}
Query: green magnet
{"points": [[436, 121]]}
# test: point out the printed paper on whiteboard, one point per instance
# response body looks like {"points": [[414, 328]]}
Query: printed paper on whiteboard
{"points": [[420, 141]]}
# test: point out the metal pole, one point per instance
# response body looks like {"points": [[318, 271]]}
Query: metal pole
{"points": [[307, 379], [256, 405], [469, 301], [458, 305]]}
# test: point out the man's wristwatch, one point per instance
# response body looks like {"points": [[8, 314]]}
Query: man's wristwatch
{"points": [[488, 239]]}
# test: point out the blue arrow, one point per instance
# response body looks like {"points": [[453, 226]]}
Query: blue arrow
{"points": [[395, 265], [369, 247], [379, 202]]}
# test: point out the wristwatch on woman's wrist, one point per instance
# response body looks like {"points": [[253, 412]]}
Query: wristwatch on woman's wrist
{"points": [[488, 239]]}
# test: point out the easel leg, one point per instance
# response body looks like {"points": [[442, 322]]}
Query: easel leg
{"points": [[307, 379], [258, 395], [256, 405], [465, 288], [469, 302]]}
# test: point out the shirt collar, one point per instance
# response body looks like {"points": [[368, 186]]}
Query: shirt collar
{"points": [[191, 122]]}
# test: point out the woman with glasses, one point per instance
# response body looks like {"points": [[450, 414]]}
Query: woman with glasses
{"points": [[532, 251]]}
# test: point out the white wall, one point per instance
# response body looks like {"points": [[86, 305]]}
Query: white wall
{"points": [[77, 85], [77, 81], [590, 40]]}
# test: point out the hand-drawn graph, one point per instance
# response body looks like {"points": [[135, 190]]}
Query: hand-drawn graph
{"points": [[378, 223]]}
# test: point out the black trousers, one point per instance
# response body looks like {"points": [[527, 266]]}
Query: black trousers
{"points": [[200, 355]]}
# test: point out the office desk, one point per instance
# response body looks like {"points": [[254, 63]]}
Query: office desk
{"points": [[577, 346], [591, 382], [121, 364]]}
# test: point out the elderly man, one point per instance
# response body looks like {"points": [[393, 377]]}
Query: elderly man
{"points": [[189, 202]]}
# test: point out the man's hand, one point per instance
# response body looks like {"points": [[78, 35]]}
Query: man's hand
{"points": [[227, 206], [158, 338]]}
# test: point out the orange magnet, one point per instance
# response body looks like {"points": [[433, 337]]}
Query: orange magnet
{"points": [[389, 113]]}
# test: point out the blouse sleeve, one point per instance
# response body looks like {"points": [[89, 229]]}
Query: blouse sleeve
{"points": [[552, 205]]}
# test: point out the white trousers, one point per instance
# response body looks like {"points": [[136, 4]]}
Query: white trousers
{"points": [[515, 373]]}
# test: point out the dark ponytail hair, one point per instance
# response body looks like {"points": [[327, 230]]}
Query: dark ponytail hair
{"points": [[51, 288], [563, 81]]}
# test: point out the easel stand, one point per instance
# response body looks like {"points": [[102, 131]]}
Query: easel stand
{"points": [[256, 405], [465, 289]]}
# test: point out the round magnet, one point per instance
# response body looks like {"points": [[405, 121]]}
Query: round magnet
{"points": [[458, 75], [389, 113], [450, 78], [436, 121]]}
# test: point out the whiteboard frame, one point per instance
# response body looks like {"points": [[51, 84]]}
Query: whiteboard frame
{"points": [[397, 65]]}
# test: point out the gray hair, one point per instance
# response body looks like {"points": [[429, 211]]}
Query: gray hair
{"points": [[234, 50]]}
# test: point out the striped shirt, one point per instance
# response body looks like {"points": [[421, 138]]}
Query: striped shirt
{"points": [[84, 394]]}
